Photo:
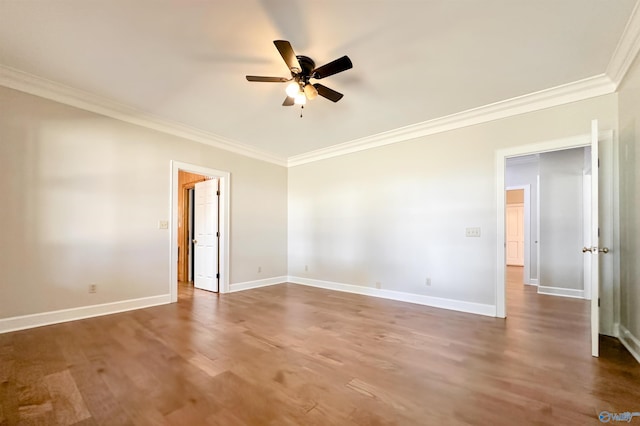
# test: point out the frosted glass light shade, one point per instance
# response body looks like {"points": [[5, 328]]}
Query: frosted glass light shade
{"points": [[310, 91], [300, 99], [292, 89]]}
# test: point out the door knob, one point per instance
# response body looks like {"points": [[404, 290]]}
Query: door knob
{"points": [[195, 241], [604, 250]]}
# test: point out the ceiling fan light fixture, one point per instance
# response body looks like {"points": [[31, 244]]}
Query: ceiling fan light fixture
{"points": [[303, 69], [300, 98], [292, 89]]}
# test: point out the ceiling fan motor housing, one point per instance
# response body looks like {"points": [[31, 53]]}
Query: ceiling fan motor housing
{"points": [[307, 65]]}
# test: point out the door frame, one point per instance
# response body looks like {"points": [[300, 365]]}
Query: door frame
{"points": [[223, 218], [527, 230], [501, 162]]}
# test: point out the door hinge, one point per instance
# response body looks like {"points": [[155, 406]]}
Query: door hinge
{"points": [[598, 302], [218, 277], [598, 162], [598, 232], [217, 234], [218, 193]]}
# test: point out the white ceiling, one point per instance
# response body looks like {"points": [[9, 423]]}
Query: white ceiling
{"points": [[185, 61]]}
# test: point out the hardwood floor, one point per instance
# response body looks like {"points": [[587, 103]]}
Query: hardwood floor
{"points": [[295, 355]]}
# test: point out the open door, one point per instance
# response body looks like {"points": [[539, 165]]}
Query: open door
{"points": [[595, 250], [206, 235]]}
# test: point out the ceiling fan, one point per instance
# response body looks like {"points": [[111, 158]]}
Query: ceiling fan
{"points": [[303, 69]]}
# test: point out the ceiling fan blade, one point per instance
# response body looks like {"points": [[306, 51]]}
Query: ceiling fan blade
{"points": [[289, 101], [267, 79], [330, 94], [333, 67], [289, 56]]}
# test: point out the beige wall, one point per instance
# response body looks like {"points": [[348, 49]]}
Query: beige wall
{"points": [[629, 159], [81, 198], [397, 214]]}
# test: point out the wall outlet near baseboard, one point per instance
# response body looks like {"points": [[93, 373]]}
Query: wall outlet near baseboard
{"points": [[93, 288], [259, 269], [427, 282], [378, 284], [306, 268]]}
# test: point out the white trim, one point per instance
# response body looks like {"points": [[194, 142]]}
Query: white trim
{"points": [[631, 342], [501, 161], [571, 92], [534, 281], [527, 229], [19, 80], [627, 48], [537, 240], [55, 317], [436, 302], [558, 291], [248, 285], [224, 216]]}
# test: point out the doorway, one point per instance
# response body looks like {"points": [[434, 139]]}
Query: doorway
{"points": [[609, 279], [515, 234], [222, 179], [186, 182], [198, 245]]}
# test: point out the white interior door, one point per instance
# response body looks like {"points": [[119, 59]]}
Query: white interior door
{"points": [[593, 251], [191, 234], [515, 234], [206, 235]]}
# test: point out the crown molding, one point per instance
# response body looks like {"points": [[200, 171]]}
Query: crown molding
{"points": [[627, 48], [559, 95], [576, 91], [34, 85]]}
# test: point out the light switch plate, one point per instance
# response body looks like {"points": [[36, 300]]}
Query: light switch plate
{"points": [[473, 232], [163, 224]]}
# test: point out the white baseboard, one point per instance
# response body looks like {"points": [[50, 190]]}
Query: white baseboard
{"points": [[436, 302], [564, 292], [533, 281], [631, 342], [54, 317], [248, 285]]}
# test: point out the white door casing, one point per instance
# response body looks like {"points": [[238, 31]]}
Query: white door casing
{"points": [[224, 178], [595, 241], [515, 234], [206, 235]]}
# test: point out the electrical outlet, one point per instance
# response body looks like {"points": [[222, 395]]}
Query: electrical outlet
{"points": [[163, 224], [427, 282], [259, 269], [473, 232], [93, 288], [306, 268], [378, 284]]}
